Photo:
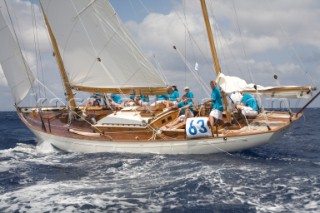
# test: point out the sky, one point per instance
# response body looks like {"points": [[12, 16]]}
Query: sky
{"points": [[255, 39]]}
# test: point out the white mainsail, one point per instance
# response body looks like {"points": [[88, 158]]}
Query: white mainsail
{"points": [[18, 74], [96, 50], [231, 84]]}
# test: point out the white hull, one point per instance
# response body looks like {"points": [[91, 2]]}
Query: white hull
{"points": [[204, 146]]}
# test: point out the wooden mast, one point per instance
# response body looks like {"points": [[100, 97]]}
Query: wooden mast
{"points": [[68, 89], [214, 54]]}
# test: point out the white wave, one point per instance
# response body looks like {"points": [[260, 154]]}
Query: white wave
{"points": [[5, 166], [312, 205], [45, 148], [147, 183], [69, 196]]}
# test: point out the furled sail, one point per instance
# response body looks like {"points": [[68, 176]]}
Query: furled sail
{"points": [[97, 52], [231, 84], [19, 77]]}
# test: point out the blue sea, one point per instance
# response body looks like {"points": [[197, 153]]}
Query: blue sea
{"points": [[280, 177]]}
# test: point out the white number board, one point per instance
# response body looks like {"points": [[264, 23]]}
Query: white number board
{"points": [[198, 127]]}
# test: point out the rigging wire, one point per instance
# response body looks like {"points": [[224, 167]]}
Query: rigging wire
{"points": [[185, 40], [187, 37], [195, 74], [242, 42], [160, 69], [218, 38], [191, 37], [52, 93], [39, 63], [35, 45], [221, 41], [192, 41], [133, 8], [144, 7]]}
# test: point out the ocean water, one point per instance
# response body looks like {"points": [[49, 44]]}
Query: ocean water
{"points": [[280, 177]]}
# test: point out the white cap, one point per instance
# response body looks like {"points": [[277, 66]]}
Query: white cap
{"points": [[186, 88]]}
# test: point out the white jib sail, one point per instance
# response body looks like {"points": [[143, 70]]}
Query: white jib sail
{"points": [[232, 84], [19, 77], [96, 49]]}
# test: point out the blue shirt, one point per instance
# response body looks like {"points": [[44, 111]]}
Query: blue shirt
{"points": [[173, 96], [250, 101], [217, 99], [189, 95], [182, 104], [144, 98], [116, 98], [163, 97]]}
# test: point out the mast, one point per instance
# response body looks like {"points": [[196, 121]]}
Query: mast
{"points": [[214, 54], [68, 89]]}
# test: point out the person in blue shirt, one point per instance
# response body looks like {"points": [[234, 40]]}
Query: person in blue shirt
{"points": [[170, 99], [217, 105], [189, 94], [175, 88], [187, 111], [144, 100], [173, 97], [132, 101], [175, 93], [162, 98], [137, 100], [116, 98], [116, 101], [248, 106]]}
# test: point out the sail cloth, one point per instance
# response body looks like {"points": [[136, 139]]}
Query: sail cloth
{"points": [[232, 84], [18, 74], [96, 49]]}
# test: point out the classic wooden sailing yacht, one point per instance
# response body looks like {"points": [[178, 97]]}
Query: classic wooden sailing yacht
{"points": [[95, 54]]}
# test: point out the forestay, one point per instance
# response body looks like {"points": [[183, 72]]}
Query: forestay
{"points": [[19, 77], [231, 84], [96, 49]]}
